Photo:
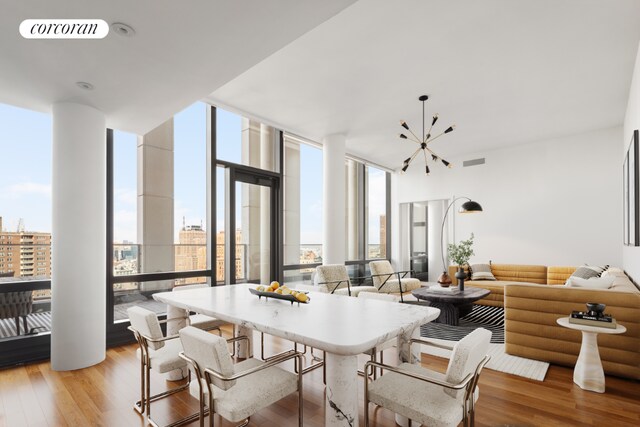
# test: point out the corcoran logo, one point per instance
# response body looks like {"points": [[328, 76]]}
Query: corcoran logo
{"points": [[64, 29]]}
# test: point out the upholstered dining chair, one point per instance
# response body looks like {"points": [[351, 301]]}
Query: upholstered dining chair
{"points": [[236, 391], [158, 353], [334, 279], [14, 305], [430, 397], [388, 281]]}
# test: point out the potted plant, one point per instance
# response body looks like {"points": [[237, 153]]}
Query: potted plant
{"points": [[460, 255]]}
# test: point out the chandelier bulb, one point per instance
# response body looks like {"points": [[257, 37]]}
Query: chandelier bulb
{"points": [[444, 162], [404, 169], [404, 124], [403, 136], [435, 119], [434, 157], [450, 128], [426, 170]]}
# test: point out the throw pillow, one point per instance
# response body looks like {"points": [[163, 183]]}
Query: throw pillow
{"points": [[598, 269], [481, 272], [593, 283], [586, 272]]}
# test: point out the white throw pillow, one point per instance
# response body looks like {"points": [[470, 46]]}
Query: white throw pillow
{"points": [[481, 272], [593, 283]]}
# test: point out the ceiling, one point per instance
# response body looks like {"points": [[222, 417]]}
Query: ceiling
{"points": [[181, 52], [505, 71]]}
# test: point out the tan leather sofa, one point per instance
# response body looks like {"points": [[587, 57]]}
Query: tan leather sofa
{"points": [[533, 301], [531, 330]]}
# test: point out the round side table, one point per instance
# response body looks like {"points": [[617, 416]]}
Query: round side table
{"points": [[588, 373]]}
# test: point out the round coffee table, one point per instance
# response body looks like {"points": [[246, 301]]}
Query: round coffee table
{"points": [[452, 305], [588, 373]]}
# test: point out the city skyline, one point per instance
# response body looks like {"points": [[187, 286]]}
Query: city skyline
{"points": [[25, 193]]}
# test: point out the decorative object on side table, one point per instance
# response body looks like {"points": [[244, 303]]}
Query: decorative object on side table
{"points": [[467, 207], [594, 316], [460, 254]]}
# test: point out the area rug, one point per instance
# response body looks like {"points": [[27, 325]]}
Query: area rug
{"points": [[482, 316], [491, 318]]}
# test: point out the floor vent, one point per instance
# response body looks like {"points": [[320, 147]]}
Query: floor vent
{"points": [[473, 162]]}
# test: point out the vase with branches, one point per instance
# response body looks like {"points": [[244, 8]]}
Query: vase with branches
{"points": [[460, 254]]}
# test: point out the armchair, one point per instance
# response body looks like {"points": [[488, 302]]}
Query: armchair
{"points": [[385, 281], [430, 397], [238, 391], [334, 279]]}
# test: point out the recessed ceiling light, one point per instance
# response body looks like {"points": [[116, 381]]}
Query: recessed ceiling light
{"points": [[84, 85], [123, 30]]}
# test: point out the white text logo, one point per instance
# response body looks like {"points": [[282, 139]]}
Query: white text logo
{"points": [[64, 29]]}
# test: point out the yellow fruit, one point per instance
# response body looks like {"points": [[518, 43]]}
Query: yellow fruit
{"points": [[279, 291], [269, 289], [302, 297], [274, 285], [285, 290], [260, 288]]}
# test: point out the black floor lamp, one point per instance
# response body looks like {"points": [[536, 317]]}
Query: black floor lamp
{"points": [[467, 207]]}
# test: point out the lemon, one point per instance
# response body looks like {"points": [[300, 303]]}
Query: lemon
{"points": [[260, 288], [285, 290], [269, 289], [274, 285], [279, 291], [302, 297]]}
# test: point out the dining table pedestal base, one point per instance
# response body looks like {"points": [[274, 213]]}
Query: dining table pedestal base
{"points": [[341, 402]]}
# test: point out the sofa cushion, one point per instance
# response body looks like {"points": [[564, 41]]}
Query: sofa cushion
{"points": [[520, 273], [558, 275]]}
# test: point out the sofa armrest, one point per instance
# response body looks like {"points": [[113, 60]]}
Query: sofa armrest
{"points": [[531, 330]]}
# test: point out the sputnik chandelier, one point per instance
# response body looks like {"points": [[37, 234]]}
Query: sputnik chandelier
{"points": [[424, 141]]}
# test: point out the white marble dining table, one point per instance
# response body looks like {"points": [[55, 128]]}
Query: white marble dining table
{"points": [[342, 326]]}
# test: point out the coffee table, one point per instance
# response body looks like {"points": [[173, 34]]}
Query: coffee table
{"points": [[452, 306]]}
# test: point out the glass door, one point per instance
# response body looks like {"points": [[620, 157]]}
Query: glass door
{"points": [[247, 246]]}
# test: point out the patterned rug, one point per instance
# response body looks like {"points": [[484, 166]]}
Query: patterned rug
{"points": [[482, 316], [491, 318]]}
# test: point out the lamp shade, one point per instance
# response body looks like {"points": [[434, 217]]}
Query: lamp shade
{"points": [[470, 207]]}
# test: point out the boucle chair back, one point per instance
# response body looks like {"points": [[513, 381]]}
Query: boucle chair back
{"points": [[331, 274], [466, 356], [208, 351], [146, 323], [380, 267]]}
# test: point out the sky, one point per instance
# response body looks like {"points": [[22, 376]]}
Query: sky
{"points": [[25, 174]]}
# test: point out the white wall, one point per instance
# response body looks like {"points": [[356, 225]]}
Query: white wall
{"points": [[631, 255], [553, 202]]}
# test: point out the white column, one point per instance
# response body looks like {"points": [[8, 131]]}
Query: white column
{"points": [[78, 304], [333, 240], [435, 211], [266, 162], [352, 210]]}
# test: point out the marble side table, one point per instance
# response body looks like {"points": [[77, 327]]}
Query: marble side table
{"points": [[588, 373]]}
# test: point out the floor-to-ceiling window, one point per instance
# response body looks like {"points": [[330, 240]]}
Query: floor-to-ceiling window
{"points": [[25, 234], [303, 189], [366, 216], [248, 199], [158, 221]]}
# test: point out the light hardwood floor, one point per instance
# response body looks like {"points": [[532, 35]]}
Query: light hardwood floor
{"points": [[103, 395]]}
